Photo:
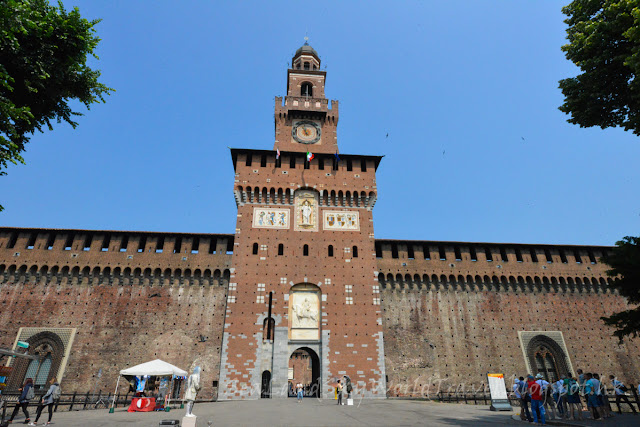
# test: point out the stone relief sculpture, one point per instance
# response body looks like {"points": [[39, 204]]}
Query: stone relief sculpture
{"points": [[306, 205], [337, 220], [306, 212], [305, 314], [270, 218]]}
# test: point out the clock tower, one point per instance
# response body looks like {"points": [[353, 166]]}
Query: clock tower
{"points": [[303, 302], [304, 122]]}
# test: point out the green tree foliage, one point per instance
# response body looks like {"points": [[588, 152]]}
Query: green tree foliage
{"points": [[624, 261], [604, 41], [43, 66]]}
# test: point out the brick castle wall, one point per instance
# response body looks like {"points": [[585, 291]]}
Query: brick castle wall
{"points": [[439, 322], [128, 305], [452, 311], [458, 335]]}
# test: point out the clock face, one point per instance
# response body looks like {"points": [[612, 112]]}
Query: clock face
{"points": [[306, 132]]}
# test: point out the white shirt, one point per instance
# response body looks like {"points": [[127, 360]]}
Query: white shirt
{"points": [[543, 384], [559, 387], [616, 386], [516, 386]]}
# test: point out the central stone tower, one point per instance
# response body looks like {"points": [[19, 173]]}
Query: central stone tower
{"points": [[304, 277]]}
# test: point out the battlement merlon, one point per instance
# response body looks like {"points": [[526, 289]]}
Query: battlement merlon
{"points": [[306, 104]]}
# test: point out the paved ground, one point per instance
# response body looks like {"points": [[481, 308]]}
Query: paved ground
{"points": [[313, 412], [623, 420]]}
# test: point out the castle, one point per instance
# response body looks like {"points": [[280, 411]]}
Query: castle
{"points": [[303, 275]]}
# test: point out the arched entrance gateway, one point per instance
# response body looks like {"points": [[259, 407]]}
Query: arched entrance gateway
{"points": [[304, 368], [303, 365]]}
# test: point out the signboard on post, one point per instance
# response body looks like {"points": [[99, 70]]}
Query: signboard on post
{"points": [[498, 390]]}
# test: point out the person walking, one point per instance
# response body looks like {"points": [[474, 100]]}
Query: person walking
{"points": [[299, 389], [47, 401], [620, 390], [339, 393], [27, 393]]}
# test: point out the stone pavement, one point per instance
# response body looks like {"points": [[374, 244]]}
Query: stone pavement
{"points": [[619, 420], [313, 412]]}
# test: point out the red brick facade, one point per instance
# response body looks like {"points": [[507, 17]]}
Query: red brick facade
{"points": [[410, 315]]}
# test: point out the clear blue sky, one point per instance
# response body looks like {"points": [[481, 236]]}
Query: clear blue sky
{"points": [[456, 85]]}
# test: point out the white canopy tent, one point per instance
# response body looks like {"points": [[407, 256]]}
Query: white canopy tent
{"points": [[155, 368]]}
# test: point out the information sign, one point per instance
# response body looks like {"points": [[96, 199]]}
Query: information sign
{"points": [[498, 390]]}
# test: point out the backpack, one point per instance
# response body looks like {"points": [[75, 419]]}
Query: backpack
{"points": [[57, 392], [30, 393]]}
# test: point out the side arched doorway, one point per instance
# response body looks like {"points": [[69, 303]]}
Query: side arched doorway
{"points": [[304, 368], [265, 389]]}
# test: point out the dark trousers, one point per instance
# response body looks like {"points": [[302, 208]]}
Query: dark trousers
{"points": [[620, 397], [339, 398], [22, 405], [41, 407], [524, 403]]}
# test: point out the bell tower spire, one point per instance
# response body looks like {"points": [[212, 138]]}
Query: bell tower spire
{"points": [[304, 121]]}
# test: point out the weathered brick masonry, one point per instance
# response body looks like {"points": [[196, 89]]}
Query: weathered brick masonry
{"points": [[132, 297], [453, 311], [303, 272]]}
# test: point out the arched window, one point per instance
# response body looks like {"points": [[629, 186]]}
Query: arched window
{"points": [[305, 250], [268, 327], [355, 252], [48, 349], [43, 372], [255, 249], [280, 249], [546, 357], [306, 89], [330, 250]]}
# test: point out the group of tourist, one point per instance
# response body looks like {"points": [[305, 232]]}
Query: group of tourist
{"points": [[27, 393], [567, 397]]}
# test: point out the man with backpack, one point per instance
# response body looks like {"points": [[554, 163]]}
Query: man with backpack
{"points": [[27, 393], [574, 406], [621, 390], [52, 395]]}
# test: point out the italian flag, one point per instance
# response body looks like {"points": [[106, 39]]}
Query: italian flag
{"points": [[309, 156]]}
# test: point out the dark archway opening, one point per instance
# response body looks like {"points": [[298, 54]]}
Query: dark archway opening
{"points": [[304, 368], [265, 390]]}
